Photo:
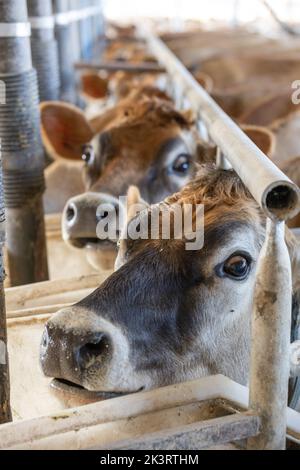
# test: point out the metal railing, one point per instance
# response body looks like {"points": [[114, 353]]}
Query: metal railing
{"points": [[279, 199]]}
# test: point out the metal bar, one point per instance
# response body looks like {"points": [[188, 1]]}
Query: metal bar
{"points": [[15, 30], [125, 66], [221, 161], [5, 411], [295, 359], [22, 153], [270, 351], [196, 436], [274, 192]]}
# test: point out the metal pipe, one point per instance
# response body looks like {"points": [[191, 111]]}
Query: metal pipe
{"points": [[44, 48], [270, 349], [85, 31], [295, 359], [274, 192], [5, 411], [279, 199], [65, 51], [22, 153], [221, 161]]}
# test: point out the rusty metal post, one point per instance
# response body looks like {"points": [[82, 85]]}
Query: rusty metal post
{"points": [[22, 153], [44, 48], [66, 58], [74, 6], [5, 412], [270, 351]]}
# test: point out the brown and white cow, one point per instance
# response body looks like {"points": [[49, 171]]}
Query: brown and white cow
{"points": [[161, 176], [168, 314], [142, 141]]}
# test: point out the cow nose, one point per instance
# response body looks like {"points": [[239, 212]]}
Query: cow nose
{"points": [[82, 215], [67, 355]]}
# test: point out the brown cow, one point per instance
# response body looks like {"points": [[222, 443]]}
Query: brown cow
{"points": [[169, 314], [142, 141], [80, 219]]}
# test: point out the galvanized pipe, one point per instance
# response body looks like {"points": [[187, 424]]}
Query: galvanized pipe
{"points": [[85, 31], [44, 48], [98, 23], [66, 58], [74, 5], [274, 192], [22, 153], [270, 351], [5, 411]]}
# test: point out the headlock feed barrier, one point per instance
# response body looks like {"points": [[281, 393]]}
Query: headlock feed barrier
{"points": [[279, 198]]}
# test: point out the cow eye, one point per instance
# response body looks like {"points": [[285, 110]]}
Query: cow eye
{"points": [[88, 154], [182, 164], [237, 267]]}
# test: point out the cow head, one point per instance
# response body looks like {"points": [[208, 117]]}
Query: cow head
{"points": [[168, 314], [142, 141]]}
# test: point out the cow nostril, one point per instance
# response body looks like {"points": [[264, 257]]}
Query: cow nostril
{"points": [[71, 212], [45, 339], [98, 347]]}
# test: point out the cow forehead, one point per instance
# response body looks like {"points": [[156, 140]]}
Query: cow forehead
{"points": [[233, 228]]}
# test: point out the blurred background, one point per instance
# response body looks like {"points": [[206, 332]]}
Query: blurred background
{"points": [[233, 12]]}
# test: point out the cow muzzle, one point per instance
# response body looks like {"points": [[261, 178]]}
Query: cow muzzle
{"points": [[70, 355], [81, 219]]}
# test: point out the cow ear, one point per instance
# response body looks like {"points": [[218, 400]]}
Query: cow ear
{"points": [[205, 81], [135, 203], [262, 137], [64, 130], [206, 152], [93, 86]]}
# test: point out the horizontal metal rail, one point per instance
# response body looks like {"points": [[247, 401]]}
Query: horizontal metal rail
{"points": [[76, 15], [278, 196], [124, 66]]}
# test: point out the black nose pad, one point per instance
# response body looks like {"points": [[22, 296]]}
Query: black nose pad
{"points": [[71, 213], [97, 348]]}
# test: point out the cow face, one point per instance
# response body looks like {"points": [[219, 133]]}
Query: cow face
{"points": [[144, 142], [168, 314]]}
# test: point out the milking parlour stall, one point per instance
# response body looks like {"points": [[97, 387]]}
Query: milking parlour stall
{"points": [[149, 230]]}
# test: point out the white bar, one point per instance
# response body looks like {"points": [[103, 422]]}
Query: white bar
{"points": [[15, 30], [75, 428], [42, 22], [68, 17]]}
